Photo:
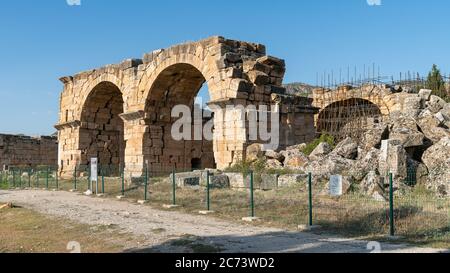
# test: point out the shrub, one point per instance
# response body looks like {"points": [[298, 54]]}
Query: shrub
{"points": [[313, 145]]}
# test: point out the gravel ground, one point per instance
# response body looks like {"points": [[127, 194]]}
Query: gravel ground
{"points": [[166, 231]]}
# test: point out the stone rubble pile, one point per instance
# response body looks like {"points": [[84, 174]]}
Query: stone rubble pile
{"points": [[412, 143]]}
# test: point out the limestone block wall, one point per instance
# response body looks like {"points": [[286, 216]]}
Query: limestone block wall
{"points": [[147, 89], [28, 151]]}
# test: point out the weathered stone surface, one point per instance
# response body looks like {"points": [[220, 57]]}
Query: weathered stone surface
{"points": [[331, 165], [365, 165], [220, 182], [425, 94], [296, 147], [437, 154], [254, 152], [405, 129], [322, 150], [372, 137], [372, 186], [28, 151], [439, 179], [237, 180], [270, 154], [269, 181], [446, 111], [188, 179], [412, 106], [419, 170], [435, 104], [348, 149], [294, 159], [290, 180], [273, 164], [437, 160], [393, 159]]}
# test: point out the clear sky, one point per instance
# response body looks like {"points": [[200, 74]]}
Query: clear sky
{"points": [[43, 40]]}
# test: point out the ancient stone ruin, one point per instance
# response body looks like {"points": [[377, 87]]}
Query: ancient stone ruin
{"points": [[17, 150], [409, 138], [122, 113]]}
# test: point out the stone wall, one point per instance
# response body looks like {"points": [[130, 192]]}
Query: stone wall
{"points": [[145, 91], [18, 150]]}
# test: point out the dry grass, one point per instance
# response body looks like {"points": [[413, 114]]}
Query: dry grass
{"points": [[25, 231], [420, 218]]}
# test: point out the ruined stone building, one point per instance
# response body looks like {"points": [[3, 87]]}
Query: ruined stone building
{"points": [[16, 150], [121, 113]]}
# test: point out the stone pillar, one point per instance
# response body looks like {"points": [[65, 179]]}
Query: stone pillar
{"points": [[70, 155], [135, 135], [230, 135]]}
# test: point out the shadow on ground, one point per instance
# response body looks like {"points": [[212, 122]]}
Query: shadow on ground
{"points": [[277, 242]]}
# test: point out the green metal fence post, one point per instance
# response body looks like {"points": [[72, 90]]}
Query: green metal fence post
{"points": [[89, 177], [391, 205], [57, 181], [20, 178], [252, 201], [174, 188], [208, 204], [29, 178], [75, 178], [103, 181], [310, 199], [14, 178], [146, 182], [46, 178], [123, 180], [37, 178]]}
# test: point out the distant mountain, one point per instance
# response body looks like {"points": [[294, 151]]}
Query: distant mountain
{"points": [[299, 89]]}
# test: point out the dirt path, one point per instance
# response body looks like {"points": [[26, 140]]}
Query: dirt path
{"points": [[166, 231]]}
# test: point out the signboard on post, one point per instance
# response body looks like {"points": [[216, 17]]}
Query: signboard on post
{"points": [[335, 185], [94, 172], [384, 149]]}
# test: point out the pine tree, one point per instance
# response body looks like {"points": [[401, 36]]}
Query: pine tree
{"points": [[436, 83]]}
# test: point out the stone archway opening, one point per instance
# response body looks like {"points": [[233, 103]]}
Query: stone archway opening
{"points": [[102, 129], [348, 118], [178, 85]]}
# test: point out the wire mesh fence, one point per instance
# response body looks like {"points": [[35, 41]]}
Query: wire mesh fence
{"points": [[284, 200]]}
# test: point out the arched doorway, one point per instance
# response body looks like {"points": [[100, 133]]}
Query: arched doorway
{"points": [[178, 85], [348, 118], [102, 129]]}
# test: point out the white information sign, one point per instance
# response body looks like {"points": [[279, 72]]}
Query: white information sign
{"points": [[335, 185], [384, 149], [94, 169]]}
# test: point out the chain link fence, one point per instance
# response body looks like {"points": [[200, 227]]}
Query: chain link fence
{"points": [[287, 200]]}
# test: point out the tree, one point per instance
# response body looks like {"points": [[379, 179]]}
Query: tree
{"points": [[435, 81]]}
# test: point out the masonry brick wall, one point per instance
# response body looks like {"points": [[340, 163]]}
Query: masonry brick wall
{"points": [[17, 150]]}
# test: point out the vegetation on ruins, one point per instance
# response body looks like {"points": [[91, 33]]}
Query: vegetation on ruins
{"points": [[435, 81], [309, 148]]}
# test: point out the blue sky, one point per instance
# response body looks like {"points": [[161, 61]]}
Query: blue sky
{"points": [[43, 40]]}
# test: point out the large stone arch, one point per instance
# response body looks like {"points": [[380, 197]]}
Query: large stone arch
{"points": [[101, 127], [92, 84], [176, 85], [348, 118], [237, 73], [323, 98]]}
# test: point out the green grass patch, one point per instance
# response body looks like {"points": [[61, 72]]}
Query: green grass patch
{"points": [[313, 145]]}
